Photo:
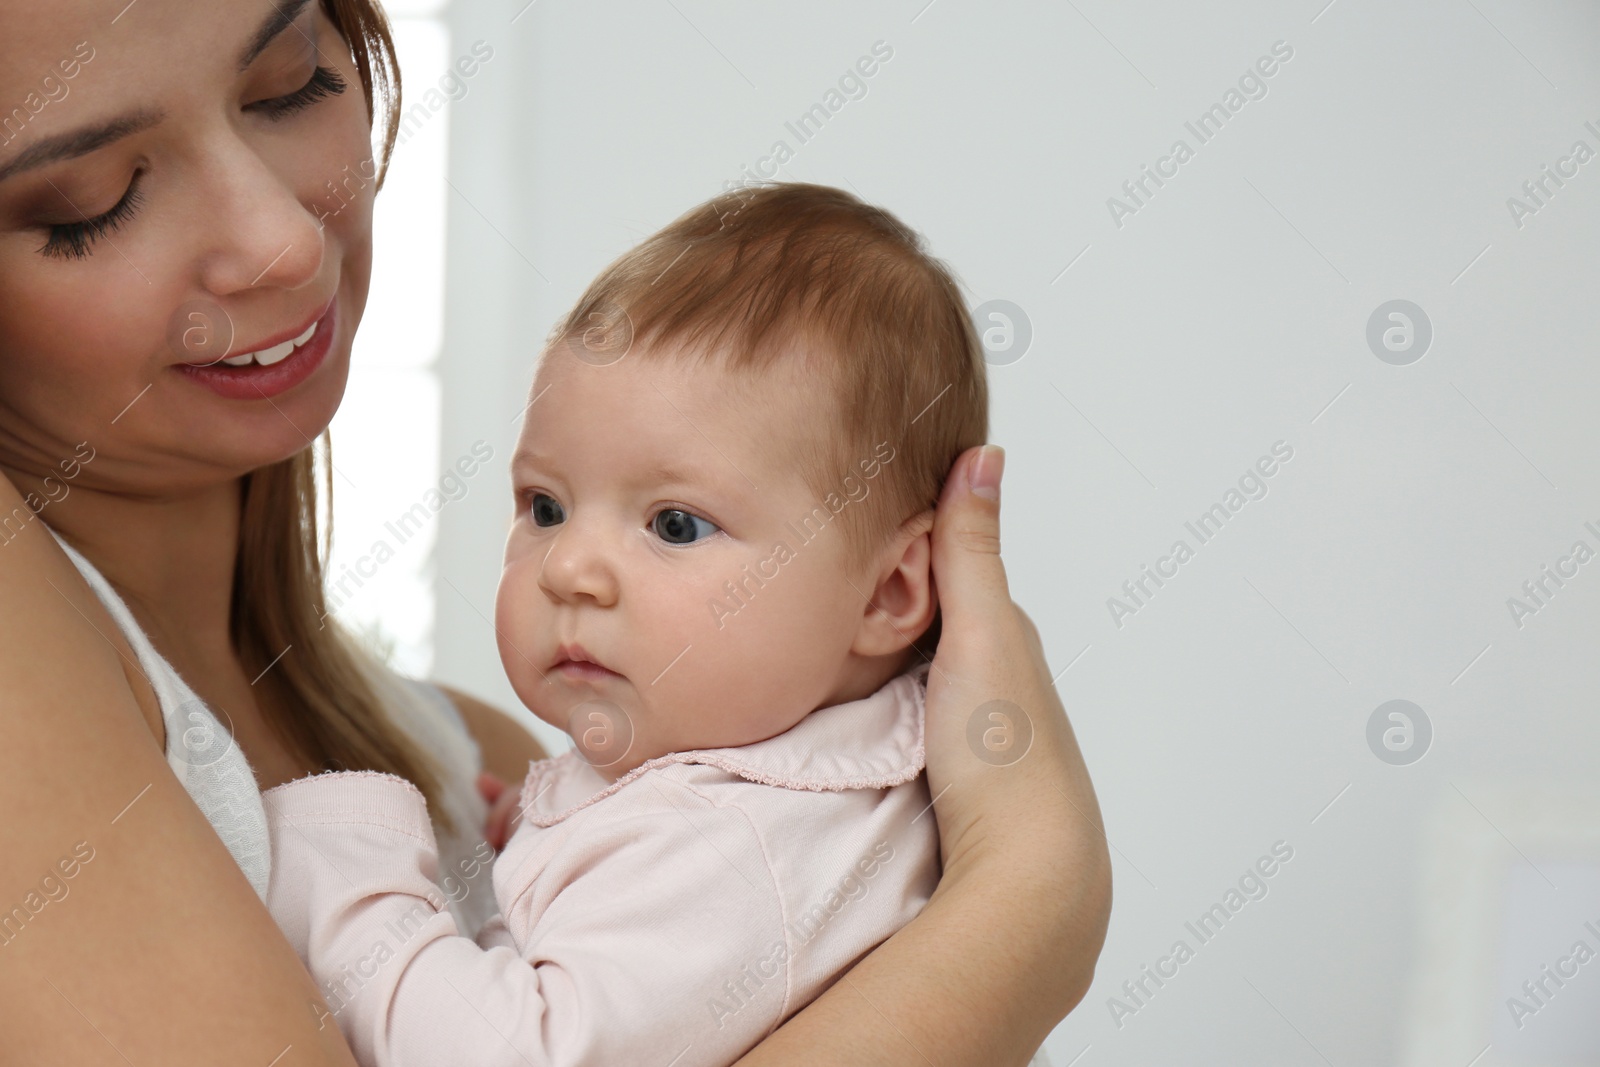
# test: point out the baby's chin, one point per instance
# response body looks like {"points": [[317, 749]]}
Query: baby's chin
{"points": [[615, 736], [616, 725]]}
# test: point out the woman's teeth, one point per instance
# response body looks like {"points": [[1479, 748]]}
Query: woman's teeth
{"points": [[268, 356]]}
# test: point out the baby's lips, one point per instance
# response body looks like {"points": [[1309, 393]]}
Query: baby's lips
{"points": [[575, 662]]}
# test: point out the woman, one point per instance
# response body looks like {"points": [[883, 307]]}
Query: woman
{"points": [[172, 189]]}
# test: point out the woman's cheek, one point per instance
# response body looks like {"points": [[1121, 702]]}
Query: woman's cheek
{"points": [[335, 170], [80, 345]]}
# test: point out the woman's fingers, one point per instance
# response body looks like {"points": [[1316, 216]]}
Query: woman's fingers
{"points": [[966, 543], [490, 787], [984, 663], [1017, 812], [502, 817], [1032, 631], [1001, 752]]}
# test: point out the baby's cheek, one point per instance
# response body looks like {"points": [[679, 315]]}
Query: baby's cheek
{"points": [[670, 629], [516, 628], [726, 685]]}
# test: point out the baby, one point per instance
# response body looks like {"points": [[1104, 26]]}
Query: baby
{"points": [[718, 582]]}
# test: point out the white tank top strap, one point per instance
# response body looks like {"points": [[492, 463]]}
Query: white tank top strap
{"points": [[200, 749], [201, 752]]}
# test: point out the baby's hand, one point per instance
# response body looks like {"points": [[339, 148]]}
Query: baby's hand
{"points": [[504, 813]]}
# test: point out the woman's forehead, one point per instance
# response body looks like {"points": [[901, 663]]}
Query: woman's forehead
{"points": [[137, 45], [72, 80]]}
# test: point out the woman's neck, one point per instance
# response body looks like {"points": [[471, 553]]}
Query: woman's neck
{"points": [[172, 558]]}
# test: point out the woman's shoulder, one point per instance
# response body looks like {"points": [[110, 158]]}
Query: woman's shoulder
{"points": [[54, 620], [200, 750]]}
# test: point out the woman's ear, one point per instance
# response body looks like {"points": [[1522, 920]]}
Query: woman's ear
{"points": [[903, 598]]}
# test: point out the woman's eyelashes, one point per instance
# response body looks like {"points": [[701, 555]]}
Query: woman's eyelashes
{"points": [[74, 240], [675, 526], [324, 82]]}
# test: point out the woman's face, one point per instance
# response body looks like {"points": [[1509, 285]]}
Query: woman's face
{"points": [[179, 183]]}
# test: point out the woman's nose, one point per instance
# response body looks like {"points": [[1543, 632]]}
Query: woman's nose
{"points": [[256, 230]]}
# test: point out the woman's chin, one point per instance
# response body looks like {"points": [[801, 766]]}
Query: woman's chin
{"points": [[231, 440], [258, 431]]}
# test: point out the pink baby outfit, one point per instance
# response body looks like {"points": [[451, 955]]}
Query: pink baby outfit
{"points": [[676, 917]]}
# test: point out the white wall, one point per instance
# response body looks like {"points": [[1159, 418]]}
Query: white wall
{"points": [[1227, 314]]}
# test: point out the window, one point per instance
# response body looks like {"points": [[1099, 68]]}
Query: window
{"points": [[386, 441]]}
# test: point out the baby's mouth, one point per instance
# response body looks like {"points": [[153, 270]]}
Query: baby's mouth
{"points": [[575, 663], [578, 669]]}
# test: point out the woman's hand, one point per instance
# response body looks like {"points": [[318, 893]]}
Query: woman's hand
{"points": [[1017, 813], [1007, 945]]}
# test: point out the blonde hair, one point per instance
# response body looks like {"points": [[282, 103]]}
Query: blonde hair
{"points": [[334, 713], [742, 277]]}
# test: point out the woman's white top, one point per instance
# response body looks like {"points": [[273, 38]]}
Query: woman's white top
{"points": [[202, 753]]}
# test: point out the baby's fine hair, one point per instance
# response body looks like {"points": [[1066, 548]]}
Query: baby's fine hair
{"points": [[743, 277]]}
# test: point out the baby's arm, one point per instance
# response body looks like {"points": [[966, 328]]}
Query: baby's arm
{"points": [[627, 941]]}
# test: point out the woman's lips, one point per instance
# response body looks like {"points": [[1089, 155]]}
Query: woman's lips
{"points": [[255, 382]]}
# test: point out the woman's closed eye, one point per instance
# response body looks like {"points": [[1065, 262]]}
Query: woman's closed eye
{"points": [[324, 82], [74, 240]]}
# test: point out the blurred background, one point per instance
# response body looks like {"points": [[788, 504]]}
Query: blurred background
{"points": [[1339, 345]]}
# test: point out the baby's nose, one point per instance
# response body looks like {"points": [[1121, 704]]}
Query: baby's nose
{"points": [[577, 566]]}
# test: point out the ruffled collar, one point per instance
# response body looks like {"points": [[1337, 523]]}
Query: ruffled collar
{"points": [[872, 743]]}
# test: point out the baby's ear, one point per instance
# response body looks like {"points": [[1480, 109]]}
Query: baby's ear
{"points": [[903, 597]]}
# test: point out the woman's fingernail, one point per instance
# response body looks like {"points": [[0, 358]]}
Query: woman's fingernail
{"points": [[983, 476]]}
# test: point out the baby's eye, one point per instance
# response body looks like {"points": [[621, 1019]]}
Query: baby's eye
{"points": [[678, 527], [546, 511]]}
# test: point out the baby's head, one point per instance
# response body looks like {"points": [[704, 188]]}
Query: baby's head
{"points": [[726, 477]]}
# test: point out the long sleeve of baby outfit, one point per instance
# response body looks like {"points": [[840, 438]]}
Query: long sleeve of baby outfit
{"points": [[619, 939], [675, 916]]}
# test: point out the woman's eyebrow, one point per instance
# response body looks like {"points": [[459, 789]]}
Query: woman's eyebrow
{"points": [[283, 15], [80, 142]]}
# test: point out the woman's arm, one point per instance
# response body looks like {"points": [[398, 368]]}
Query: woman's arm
{"points": [[507, 747], [1007, 945], [154, 948]]}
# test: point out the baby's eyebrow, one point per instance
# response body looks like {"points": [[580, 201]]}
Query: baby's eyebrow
{"points": [[661, 473], [664, 472], [722, 485], [730, 489]]}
